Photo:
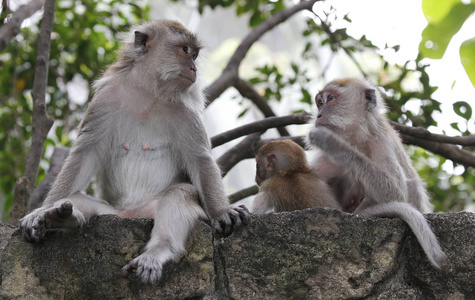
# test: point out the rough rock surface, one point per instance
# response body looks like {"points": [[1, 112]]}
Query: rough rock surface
{"points": [[309, 254]]}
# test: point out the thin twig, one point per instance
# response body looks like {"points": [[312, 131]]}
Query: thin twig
{"points": [[247, 90], [230, 72]]}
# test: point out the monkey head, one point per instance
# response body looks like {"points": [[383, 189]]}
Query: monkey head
{"points": [[282, 157], [166, 52], [344, 104]]}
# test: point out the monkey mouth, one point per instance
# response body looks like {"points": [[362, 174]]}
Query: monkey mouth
{"points": [[186, 79]]}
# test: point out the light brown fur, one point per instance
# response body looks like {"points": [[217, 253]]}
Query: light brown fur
{"points": [[286, 180]]}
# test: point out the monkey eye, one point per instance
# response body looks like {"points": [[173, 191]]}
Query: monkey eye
{"points": [[195, 54], [319, 102], [330, 97], [185, 48]]}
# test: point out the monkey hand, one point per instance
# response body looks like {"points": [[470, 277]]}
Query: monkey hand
{"points": [[147, 267], [231, 220], [35, 224], [320, 137], [336, 148]]}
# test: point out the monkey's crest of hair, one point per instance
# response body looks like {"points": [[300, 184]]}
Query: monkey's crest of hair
{"points": [[289, 155]]}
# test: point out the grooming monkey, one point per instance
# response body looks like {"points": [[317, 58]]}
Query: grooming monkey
{"points": [[362, 157], [144, 139], [286, 181]]}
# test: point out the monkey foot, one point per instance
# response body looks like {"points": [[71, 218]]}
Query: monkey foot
{"points": [[34, 225], [146, 266]]}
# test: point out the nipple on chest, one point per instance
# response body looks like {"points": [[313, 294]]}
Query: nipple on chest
{"points": [[145, 146]]}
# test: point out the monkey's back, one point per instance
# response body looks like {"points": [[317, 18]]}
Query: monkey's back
{"points": [[300, 191]]}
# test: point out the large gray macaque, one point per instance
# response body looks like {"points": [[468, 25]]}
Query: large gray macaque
{"points": [[143, 139], [362, 158]]}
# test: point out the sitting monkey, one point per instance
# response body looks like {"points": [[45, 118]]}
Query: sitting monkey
{"points": [[286, 181], [143, 138], [362, 157]]}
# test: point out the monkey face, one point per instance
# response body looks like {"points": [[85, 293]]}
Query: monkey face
{"points": [[326, 102], [260, 172], [187, 53]]}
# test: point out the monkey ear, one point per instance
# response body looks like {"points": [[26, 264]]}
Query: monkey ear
{"points": [[370, 95], [141, 41], [271, 162]]}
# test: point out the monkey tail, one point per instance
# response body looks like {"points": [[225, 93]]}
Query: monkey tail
{"points": [[418, 225]]}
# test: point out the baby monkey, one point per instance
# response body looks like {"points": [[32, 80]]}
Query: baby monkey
{"points": [[287, 182]]}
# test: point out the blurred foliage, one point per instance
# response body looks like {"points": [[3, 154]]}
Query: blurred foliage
{"points": [[83, 42], [259, 10], [85, 39], [445, 18]]}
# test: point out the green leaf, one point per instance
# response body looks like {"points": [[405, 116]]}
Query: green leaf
{"points": [[435, 10], [256, 19], [243, 113], [59, 132], [467, 57], [307, 98], [455, 126], [437, 35], [463, 109]]}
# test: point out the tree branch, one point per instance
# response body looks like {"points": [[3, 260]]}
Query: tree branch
{"points": [[12, 28], [451, 152], [247, 148], [230, 72], [247, 90], [244, 193], [422, 133], [259, 126], [41, 121]]}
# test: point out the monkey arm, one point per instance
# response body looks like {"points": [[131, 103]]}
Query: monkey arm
{"points": [[380, 184], [206, 177], [82, 162], [78, 169], [261, 204]]}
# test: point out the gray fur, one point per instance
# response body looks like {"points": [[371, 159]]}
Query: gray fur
{"points": [[362, 153], [141, 136]]}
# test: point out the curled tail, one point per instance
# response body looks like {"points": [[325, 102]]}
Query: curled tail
{"points": [[416, 222]]}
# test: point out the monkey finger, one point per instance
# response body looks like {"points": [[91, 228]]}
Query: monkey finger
{"points": [[128, 269], [216, 226], [227, 227], [28, 234], [243, 213], [236, 220]]}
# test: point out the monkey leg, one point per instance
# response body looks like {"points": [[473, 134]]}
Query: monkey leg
{"points": [[177, 211], [71, 212]]}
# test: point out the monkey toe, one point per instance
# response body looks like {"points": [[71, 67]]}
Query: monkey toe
{"points": [[65, 210], [146, 266], [128, 269]]}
